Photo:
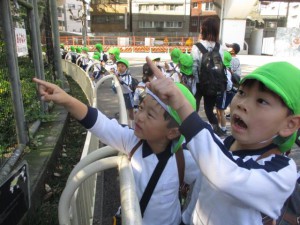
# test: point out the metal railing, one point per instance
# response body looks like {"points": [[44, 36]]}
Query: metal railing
{"points": [[77, 201]]}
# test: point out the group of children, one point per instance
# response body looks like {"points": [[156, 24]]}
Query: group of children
{"points": [[236, 181]]}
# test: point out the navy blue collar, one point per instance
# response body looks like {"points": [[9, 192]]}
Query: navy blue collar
{"points": [[247, 152], [148, 151]]}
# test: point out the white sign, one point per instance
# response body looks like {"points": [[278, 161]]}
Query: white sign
{"points": [[21, 42]]}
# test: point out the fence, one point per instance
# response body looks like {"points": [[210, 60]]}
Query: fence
{"points": [[21, 59], [134, 43]]}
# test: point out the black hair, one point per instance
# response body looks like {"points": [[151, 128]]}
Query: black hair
{"points": [[147, 72], [210, 29]]}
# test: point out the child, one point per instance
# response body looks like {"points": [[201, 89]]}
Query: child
{"points": [[224, 99], [186, 70], [97, 68], [172, 68], [147, 77], [248, 175], [125, 79], [157, 127], [235, 65], [85, 58]]}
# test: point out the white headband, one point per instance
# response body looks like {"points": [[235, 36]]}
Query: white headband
{"points": [[158, 100]]}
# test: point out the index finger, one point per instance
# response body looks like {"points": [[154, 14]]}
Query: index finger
{"points": [[157, 72]]}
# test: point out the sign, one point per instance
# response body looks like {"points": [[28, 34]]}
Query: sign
{"points": [[15, 196], [21, 42]]}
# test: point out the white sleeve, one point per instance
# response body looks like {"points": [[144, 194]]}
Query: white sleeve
{"points": [[245, 179]]}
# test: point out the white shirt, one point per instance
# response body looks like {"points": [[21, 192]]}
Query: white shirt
{"points": [[163, 207]]}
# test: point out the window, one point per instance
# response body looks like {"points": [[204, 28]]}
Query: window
{"points": [[71, 6], [195, 4], [156, 7], [171, 7], [194, 23], [271, 24], [208, 6], [59, 12], [158, 24], [173, 24]]}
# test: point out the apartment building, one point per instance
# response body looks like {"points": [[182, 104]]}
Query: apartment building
{"points": [[160, 16], [70, 16], [109, 16], [200, 9]]}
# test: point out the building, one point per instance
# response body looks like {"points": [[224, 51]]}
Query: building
{"points": [[70, 17], [109, 16], [200, 9], [160, 16]]}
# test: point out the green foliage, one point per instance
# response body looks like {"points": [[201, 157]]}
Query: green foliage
{"points": [[32, 109]]}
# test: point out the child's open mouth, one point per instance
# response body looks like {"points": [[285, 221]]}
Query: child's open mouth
{"points": [[237, 121]]}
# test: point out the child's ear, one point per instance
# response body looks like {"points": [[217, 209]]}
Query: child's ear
{"points": [[173, 133], [293, 124]]}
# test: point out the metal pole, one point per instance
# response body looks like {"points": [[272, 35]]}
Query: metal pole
{"points": [[13, 69], [55, 33], [84, 28], [35, 43]]}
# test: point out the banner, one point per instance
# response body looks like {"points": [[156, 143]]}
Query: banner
{"points": [[21, 42]]}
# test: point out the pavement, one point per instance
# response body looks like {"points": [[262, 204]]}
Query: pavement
{"points": [[107, 102]]}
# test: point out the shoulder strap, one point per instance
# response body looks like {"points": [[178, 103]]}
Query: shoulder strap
{"points": [[180, 165], [268, 153], [134, 149], [201, 48], [217, 47], [153, 181]]}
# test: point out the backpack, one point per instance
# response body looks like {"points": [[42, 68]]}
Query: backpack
{"points": [[212, 75], [104, 57], [134, 84]]}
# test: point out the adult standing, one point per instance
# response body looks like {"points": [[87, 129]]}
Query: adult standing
{"points": [[209, 36]]}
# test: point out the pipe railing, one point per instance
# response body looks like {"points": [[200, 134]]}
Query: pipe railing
{"points": [[82, 199]]}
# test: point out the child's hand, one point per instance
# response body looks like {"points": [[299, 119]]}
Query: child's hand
{"points": [[51, 92], [168, 92]]}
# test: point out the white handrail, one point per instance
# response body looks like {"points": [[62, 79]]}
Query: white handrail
{"points": [[92, 157], [130, 207]]}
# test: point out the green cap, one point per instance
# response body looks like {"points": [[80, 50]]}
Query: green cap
{"points": [[191, 99], [186, 64], [72, 48], [227, 59], [175, 54], [115, 51], [284, 80], [86, 49], [96, 56], [124, 61], [99, 47], [78, 49]]}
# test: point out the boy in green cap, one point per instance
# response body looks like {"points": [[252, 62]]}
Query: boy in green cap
{"points": [[248, 175], [186, 69], [172, 68], [158, 137], [224, 99], [125, 79]]}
